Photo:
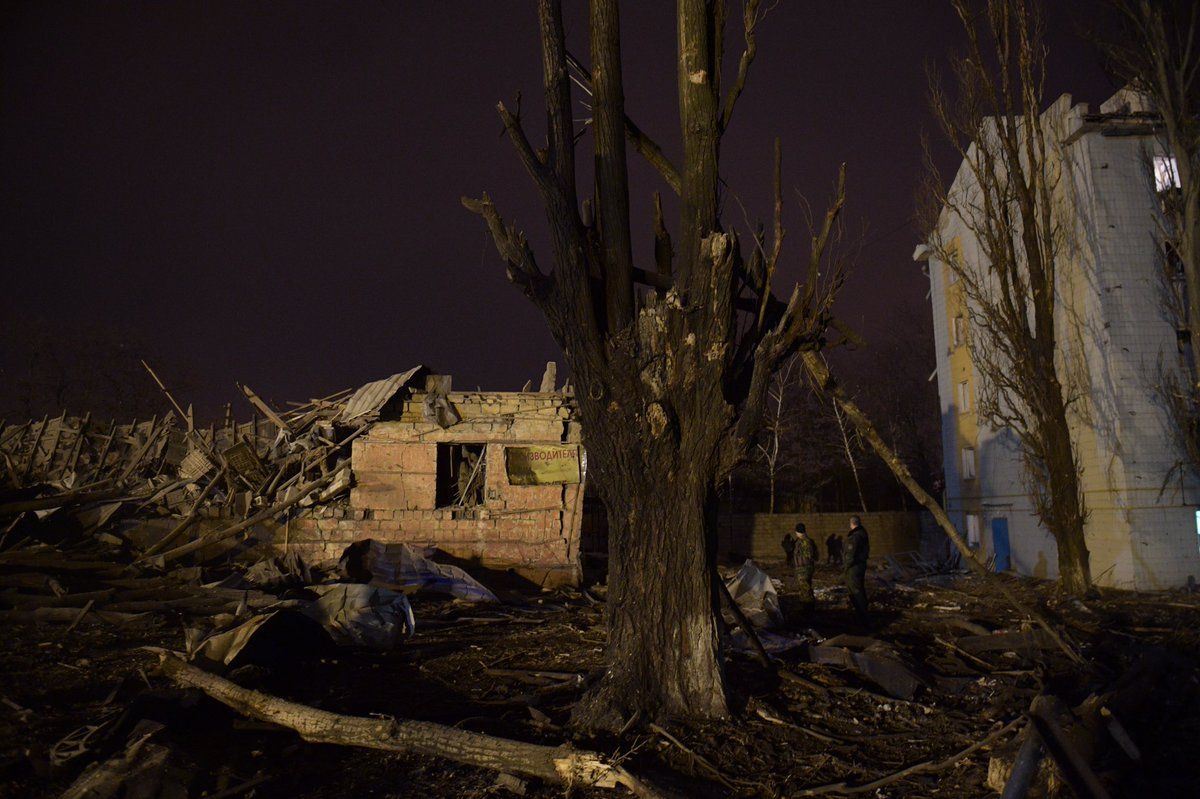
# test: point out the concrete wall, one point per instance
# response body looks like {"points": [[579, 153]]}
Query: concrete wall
{"points": [[758, 535], [531, 529]]}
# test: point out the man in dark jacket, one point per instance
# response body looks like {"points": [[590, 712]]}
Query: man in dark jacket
{"points": [[833, 548], [858, 549]]}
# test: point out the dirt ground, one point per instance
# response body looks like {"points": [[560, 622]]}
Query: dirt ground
{"points": [[467, 666]]}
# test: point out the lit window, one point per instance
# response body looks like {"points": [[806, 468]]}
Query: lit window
{"points": [[968, 463], [972, 530], [964, 397], [1166, 173]]}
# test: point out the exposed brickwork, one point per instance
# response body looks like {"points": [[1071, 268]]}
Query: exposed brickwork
{"points": [[533, 530]]}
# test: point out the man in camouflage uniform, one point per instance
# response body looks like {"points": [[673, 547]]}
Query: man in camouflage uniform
{"points": [[802, 557], [858, 549]]}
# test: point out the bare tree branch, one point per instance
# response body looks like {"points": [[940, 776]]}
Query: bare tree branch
{"points": [[750, 20]]}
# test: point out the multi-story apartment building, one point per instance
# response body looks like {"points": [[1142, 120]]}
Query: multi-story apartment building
{"points": [[1116, 340]]}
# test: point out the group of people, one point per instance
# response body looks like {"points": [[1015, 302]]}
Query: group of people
{"points": [[801, 553]]}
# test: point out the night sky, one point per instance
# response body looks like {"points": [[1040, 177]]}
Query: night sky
{"points": [[269, 192]]}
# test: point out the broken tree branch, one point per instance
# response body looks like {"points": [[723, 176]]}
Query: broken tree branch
{"points": [[750, 20], [557, 764], [924, 767], [645, 146], [825, 382], [747, 627]]}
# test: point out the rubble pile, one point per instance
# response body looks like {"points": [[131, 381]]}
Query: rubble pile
{"points": [[92, 480], [137, 602], [931, 701]]}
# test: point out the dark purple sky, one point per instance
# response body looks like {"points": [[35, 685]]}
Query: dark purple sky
{"points": [[270, 191]]}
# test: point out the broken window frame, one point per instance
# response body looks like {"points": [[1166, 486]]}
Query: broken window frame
{"points": [[451, 458]]}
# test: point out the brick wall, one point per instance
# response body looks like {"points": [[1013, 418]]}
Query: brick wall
{"points": [[758, 535], [533, 530]]}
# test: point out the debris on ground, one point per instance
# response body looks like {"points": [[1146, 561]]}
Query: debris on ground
{"points": [[155, 647]]}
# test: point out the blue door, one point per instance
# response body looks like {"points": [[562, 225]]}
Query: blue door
{"points": [[1000, 543]]}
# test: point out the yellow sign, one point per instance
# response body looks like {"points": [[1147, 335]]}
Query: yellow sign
{"points": [[558, 463]]}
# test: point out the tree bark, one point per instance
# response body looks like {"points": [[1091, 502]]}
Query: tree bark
{"points": [[698, 80], [1063, 509], [664, 646]]}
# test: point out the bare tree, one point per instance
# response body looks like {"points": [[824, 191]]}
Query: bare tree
{"points": [[772, 448], [1009, 199], [671, 381], [848, 452], [1158, 55]]}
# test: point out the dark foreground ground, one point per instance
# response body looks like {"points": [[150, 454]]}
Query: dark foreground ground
{"points": [[468, 666]]}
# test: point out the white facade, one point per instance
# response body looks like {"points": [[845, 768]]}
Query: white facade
{"points": [[1115, 338]]}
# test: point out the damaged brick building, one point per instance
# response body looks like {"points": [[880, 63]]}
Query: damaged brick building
{"points": [[490, 477]]}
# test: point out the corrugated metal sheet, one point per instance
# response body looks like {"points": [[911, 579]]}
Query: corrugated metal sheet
{"points": [[373, 396]]}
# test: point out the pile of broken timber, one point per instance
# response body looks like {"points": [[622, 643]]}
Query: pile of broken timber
{"points": [[67, 476], [40, 584]]}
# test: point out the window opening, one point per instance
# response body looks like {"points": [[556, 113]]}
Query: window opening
{"points": [[968, 463], [460, 473], [1166, 173], [973, 537]]}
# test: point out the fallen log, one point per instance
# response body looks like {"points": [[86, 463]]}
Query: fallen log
{"points": [[561, 765], [1071, 743], [1019, 779]]}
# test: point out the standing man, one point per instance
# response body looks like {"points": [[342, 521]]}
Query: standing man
{"points": [[833, 548], [802, 557], [858, 548]]}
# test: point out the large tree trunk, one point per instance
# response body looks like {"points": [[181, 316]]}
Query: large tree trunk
{"points": [[664, 653], [1060, 504], [671, 381]]}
